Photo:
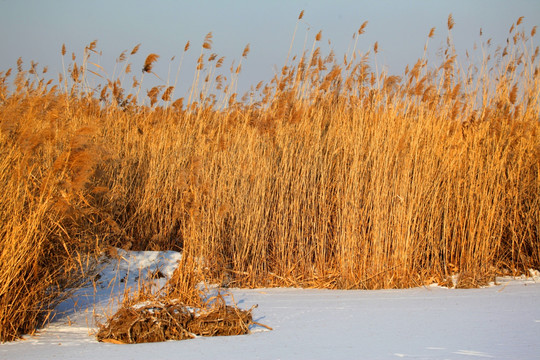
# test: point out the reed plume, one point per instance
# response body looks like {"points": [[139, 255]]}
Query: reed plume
{"points": [[149, 62]]}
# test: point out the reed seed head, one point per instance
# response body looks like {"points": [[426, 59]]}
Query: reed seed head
{"points": [[207, 44], [135, 49], [362, 28], [246, 51], [149, 62], [450, 22]]}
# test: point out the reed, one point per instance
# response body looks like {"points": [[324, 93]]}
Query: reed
{"points": [[331, 175]]}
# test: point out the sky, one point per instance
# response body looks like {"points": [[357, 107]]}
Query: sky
{"points": [[36, 29]]}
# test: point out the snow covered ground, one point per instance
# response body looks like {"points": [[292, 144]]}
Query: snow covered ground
{"points": [[499, 322]]}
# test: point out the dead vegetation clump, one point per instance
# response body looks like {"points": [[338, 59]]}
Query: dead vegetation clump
{"points": [[168, 319], [472, 280], [149, 323]]}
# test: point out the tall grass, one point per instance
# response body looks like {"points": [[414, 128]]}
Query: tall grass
{"points": [[330, 175]]}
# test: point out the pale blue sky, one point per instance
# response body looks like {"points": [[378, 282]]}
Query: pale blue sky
{"points": [[36, 29]]}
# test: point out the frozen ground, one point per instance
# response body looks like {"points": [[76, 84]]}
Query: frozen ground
{"points": [[499, 322]]}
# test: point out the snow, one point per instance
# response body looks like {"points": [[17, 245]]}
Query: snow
{"points": [[496, 322]]}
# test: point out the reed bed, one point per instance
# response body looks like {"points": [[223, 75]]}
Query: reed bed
{"points": [[330, 175]]}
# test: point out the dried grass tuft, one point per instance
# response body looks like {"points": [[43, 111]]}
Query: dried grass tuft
{"points": [[472, 280], [167, 319], [152, 322]]}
